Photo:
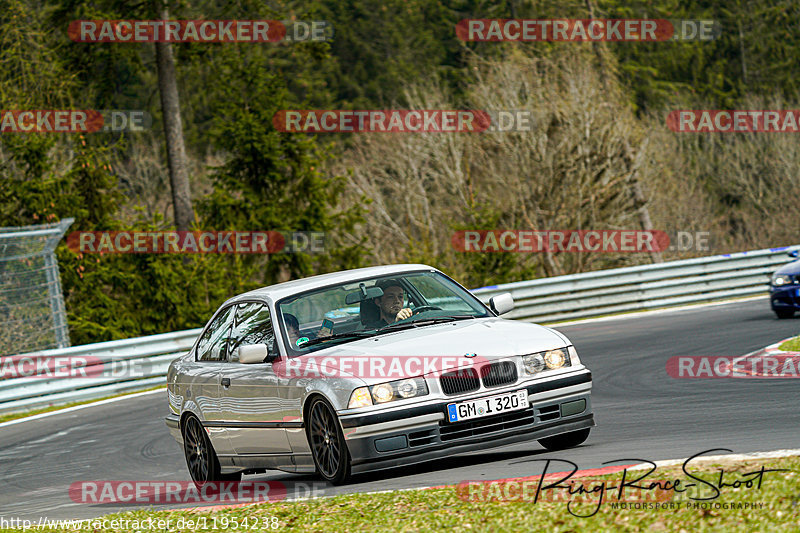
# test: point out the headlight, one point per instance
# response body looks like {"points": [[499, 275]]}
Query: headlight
{"points": [[398, 390], [555, 359], [382, 393], [387, 392], [534, 363], [407, 388], [360, 398], [549, 360], [781, 279]]}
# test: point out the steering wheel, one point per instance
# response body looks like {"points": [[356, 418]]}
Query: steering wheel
{"points": [[425, 308]]}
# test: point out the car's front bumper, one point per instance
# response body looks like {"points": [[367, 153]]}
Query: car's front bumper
{"points": [[173, 422], [785, 297], [421, 433]]}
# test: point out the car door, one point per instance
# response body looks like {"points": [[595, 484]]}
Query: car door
{"points": [[210, 354], [251, 403]]}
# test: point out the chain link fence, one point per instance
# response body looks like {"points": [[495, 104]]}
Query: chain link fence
{"points": [[32, 315]]}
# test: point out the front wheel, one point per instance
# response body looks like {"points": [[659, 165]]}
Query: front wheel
{"points": [[200, 455], [328, 448], [565, 440], [784, 313]]}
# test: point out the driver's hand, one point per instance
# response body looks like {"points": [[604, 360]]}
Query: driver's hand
{"points": [[403, 314]]}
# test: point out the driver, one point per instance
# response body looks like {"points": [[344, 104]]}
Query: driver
{"points": [[390, 304], [292, 327]]}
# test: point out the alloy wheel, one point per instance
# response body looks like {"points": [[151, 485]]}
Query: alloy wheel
{"points": [[325, 440], [197, 450]]}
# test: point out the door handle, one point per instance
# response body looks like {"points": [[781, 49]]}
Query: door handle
{"points": [[226, 382]]}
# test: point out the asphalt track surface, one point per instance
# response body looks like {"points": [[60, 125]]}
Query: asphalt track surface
{"points": [[641, 413]]}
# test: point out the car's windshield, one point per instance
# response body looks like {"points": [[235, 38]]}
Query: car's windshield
{"points": [[317, 319]]}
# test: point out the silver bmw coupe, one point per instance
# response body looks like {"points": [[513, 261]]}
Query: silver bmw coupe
{"points": [[369, 369]]}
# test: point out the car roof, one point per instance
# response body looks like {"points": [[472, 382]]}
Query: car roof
{"points": [[288, 288]]}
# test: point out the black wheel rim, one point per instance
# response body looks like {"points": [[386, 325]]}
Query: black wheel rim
{"points": [[195, 447], [325, 440]]}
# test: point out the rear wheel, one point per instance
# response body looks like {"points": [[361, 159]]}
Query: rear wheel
{"points": [[565, 440], [784, 313], [201, 459], [331, 456]]}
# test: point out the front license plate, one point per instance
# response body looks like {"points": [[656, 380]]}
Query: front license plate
{"points": [[493, 405]]}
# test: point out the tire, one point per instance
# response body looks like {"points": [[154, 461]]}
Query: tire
{"points": [[201, 459], [784, 313], [565, 440], [326, 441]]}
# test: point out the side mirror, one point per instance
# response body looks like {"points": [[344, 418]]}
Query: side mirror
{"points": [[794, 253], [253, 353], [502, 303]]}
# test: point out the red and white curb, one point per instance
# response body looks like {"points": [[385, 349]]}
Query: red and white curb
{"points": [[773, 354]]}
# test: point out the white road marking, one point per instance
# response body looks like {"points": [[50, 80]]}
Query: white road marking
{"points": [[775, 454], [79, 407]]}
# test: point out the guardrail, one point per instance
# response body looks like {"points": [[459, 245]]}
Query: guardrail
{"points": [[54, 377], [620, 290], [138, 363]]}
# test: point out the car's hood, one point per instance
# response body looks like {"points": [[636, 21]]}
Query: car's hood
{"points": [[488, 337], [792, 268], [448, 343]]}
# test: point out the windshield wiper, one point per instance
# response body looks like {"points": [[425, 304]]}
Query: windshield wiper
{"points": [[428, 321], [350, 334]]}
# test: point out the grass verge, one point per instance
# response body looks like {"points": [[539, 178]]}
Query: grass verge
{"points": [[792, 345], [25, 414], [775, 507]]}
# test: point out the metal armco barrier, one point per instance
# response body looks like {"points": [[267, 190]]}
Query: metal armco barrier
{"points": [[142, 362], [111, 368], [638, 288]]}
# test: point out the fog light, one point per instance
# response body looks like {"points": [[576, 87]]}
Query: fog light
{"points": [[554, 359]]}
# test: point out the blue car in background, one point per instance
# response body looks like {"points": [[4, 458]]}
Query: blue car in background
{"points": [[784, 289]]}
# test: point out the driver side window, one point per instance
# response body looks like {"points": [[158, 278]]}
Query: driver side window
{"points": [[252, 325], [213, 345]]}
